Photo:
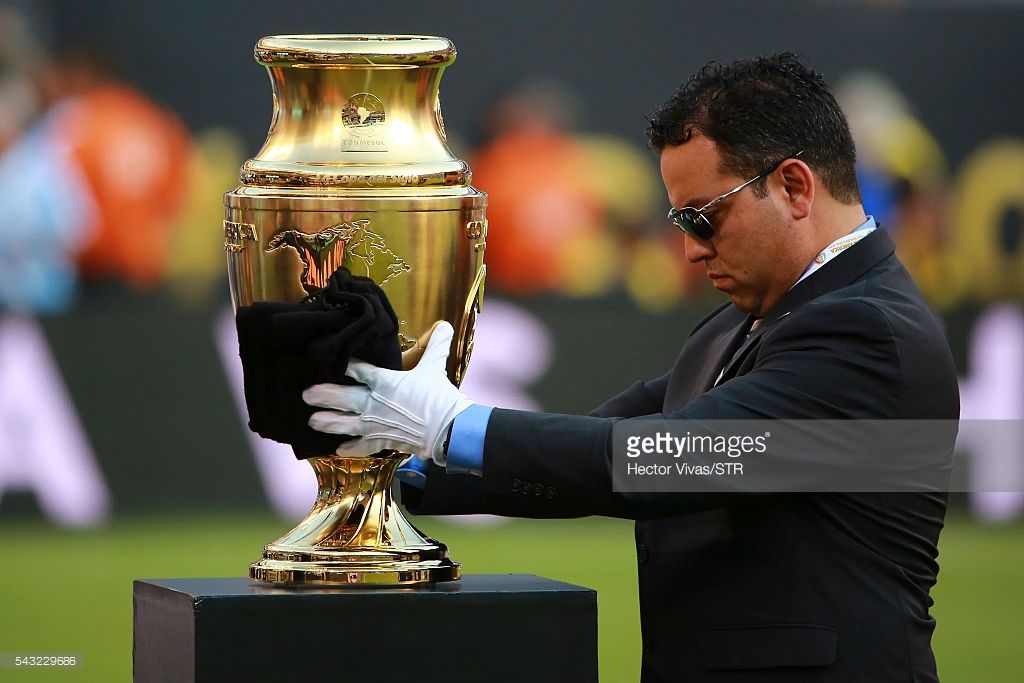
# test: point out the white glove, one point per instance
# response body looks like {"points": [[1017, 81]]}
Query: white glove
{"points": [[408, 411]]}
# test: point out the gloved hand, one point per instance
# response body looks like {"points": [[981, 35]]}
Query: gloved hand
{"points": [[408, 411]]}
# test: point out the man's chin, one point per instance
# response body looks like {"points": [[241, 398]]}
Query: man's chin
{"points": [[742, 303], [740, 299]]}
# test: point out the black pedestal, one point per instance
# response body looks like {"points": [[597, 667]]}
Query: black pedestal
{"points": [[482, 628]]}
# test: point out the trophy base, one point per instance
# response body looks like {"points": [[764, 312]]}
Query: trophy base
{"points": [[355, 535], [354, 568]]}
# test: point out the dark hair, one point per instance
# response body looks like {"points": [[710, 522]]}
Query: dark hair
{"points": [[759, 112]]}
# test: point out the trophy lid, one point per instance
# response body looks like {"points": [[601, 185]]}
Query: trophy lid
{"points": [[355, 113], [354, 50]]}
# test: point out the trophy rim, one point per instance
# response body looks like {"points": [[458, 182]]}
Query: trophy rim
{"points": [[354, 49]]}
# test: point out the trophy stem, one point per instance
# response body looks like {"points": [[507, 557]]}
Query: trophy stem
{"points": [[355, 534]]}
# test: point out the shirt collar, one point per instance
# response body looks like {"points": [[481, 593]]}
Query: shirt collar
{"points": [[838, 246]]}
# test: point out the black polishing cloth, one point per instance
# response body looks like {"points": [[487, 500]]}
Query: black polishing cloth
{"points": [[288, 347]]}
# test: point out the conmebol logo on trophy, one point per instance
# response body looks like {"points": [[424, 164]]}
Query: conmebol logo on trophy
{"points": [[363, 117]]}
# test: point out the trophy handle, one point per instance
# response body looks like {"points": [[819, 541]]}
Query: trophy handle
{"points": [[464, 345]]}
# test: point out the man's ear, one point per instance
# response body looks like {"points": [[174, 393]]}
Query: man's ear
{"points": [[798, 184]]}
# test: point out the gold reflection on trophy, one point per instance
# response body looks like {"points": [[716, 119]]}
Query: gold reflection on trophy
{"points": [[355, 171]]}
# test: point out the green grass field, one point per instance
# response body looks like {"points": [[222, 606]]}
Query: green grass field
{"points": [[70, 592]]}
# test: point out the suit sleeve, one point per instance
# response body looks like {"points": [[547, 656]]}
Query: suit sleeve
{"points": [[642, 398], [831, 360], [458, 494]]}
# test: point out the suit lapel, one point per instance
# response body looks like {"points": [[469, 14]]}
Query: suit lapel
{"points": [[703, 355], [841, 271], [728, 341]]}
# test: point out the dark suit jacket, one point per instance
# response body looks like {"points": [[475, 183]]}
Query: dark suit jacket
{"points": [[741, 587]]}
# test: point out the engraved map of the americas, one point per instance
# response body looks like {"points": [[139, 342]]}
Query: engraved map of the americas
{"points": [[346, 244]]}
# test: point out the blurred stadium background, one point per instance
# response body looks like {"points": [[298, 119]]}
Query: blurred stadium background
{"points": [[123, 448]]}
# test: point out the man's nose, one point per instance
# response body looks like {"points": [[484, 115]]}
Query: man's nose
{"points": [[696, 250]]}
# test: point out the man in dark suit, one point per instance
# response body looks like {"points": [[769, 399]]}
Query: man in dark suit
{"points": [[823, 323]]}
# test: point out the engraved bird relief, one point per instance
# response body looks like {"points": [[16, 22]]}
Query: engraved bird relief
{"points": [[347, 244]]}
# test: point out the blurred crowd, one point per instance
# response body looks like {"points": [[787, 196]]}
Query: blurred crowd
{"points": [[99, 182], [96, 180], [580, 214], [573, 213]]}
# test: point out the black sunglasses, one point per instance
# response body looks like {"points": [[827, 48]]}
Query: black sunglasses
{"points": [[693, 221]]}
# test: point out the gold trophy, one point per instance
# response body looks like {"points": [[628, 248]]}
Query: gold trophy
{"points": [[355, 171]]}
